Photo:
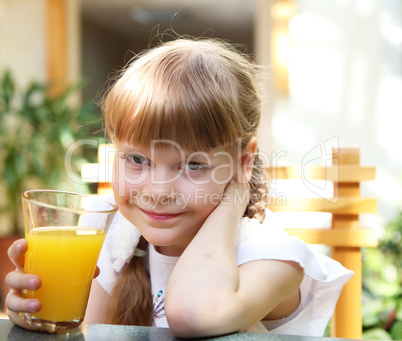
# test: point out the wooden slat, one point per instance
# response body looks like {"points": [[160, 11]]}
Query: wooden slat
{"points": [[96, 172], [105, 188], [347, 173], [106, 153], [57, 45], [102, 171], [340, 205], [358, 237], [347, 322]]}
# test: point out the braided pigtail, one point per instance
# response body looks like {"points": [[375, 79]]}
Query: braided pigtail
{"points": [[258, 191], [131, 297]]}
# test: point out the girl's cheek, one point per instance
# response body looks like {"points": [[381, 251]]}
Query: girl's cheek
{"points": [[125, 179], [118, 187], [116, 174], [120, 183], [222, 174]]}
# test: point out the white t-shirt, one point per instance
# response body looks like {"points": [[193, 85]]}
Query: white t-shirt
{"points": [[322, 284]]}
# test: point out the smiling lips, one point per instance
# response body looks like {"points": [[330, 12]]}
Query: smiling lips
{"points": [[160, 216]]}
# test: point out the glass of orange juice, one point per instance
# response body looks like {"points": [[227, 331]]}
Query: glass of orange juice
{"points": [[65, 232]]}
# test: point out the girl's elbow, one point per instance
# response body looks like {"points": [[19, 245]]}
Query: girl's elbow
{"points": [[190, 321], [184, 321]]}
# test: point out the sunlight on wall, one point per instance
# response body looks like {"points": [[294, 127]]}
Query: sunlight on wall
{"points": [[345, 78], [389, 117], [311, 27], [286, 130], [357, 83], [311, 69], [390, 186], [22, 32], [315, 61], [391, 29]]}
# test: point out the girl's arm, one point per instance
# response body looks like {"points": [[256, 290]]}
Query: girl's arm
{"points": [[98, 304], [208, 294]]}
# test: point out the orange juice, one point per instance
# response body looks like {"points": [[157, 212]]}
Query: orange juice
{"points": [[65, 259]]}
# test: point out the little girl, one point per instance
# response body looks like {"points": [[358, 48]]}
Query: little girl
{"points": [[193, 247]]}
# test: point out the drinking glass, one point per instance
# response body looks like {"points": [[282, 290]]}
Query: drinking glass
{"points": [[65, 232]]}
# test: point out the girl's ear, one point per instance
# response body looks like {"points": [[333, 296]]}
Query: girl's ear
{"points": [[246, 162]]}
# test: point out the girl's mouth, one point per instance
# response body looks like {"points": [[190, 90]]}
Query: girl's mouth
{"points": [[160, 215]]}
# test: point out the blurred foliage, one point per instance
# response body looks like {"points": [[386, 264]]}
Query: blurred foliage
{"points": [[382, 286], [35, 132]]}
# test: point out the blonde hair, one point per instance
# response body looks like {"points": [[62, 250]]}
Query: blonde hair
{"points": [[200, 93]]}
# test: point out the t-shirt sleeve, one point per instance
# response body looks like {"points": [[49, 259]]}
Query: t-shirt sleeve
{"points": [[323, 281]]}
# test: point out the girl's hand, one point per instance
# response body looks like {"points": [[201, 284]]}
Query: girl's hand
{"points": [[237, 196], [234, 202], [17, 280]]}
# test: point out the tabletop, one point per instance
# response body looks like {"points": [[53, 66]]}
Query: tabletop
{"points": [[100, 332]]}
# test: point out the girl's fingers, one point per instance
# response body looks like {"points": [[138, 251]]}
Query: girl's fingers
{"points": [[15, 303], [19, 280], [15, 318], [97, 272], [236, 194], [16, 253]]}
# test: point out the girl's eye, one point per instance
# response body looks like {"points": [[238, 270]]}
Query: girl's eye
{"points": [[137, 159], [193, 166]]}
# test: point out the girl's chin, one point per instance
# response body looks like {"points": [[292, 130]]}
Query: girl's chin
{"points": [[158, 241], [167, 244]]}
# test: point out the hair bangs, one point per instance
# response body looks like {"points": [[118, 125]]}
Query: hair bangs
{"points": [[173, 105]]}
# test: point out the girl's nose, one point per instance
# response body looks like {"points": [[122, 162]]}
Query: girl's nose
{"points": [[161, 185], [162, 178]]}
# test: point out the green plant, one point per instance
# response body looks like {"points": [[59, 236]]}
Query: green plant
{"points": [[382, 286], [35, 132]]}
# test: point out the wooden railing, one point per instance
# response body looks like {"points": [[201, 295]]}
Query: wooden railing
{"points": [[345, 237]]}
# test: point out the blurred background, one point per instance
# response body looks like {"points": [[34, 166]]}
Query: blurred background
{"points": [[334, 72]]}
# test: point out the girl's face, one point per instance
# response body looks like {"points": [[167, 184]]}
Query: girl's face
{"points": [[168, 192]]}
